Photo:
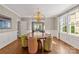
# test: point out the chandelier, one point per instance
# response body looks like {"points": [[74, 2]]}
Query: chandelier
{"points": [[38, 16]]}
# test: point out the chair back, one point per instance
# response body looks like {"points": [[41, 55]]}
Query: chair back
{"points": [[48, 43], [23, 40], [32, 45]]}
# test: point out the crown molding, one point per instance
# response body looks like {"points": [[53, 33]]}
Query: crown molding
{"points": [[68, 9], [10, 10]]}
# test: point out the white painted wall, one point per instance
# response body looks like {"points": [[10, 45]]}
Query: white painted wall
{"points": [[73, 40], [23, 27], [50, 26], [7, 37]]}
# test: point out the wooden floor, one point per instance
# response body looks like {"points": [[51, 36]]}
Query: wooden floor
{"points": [[58, 47]]}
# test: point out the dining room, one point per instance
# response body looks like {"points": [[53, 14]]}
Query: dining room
{"points": [[39, 29]]}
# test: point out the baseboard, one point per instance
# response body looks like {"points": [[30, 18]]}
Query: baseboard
{"points": [[66, 43], [8, 44]]}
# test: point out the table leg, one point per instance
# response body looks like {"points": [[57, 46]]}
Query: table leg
{"points": [[42, 46]]}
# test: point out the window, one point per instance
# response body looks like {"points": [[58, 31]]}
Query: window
{"points": [[5, 23], [77, 23], [74, 23], [63, 24], [70, 23]]}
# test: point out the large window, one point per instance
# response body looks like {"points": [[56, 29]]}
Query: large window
{"points": [[77, 23], [5, 23], [70, 23], [63, 24]]}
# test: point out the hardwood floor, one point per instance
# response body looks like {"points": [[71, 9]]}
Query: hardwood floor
{"points": [[58, 47]]}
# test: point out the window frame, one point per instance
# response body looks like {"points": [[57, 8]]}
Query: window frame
{"points": [[68, 24]]}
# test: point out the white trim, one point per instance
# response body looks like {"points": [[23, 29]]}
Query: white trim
{"points": [[70, 39], [68, 10], [10, 10]]}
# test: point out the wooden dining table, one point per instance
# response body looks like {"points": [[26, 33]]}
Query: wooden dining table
{"points": [[41, 38]]}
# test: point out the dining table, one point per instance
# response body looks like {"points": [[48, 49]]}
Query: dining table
{"points": [[41, 38]]}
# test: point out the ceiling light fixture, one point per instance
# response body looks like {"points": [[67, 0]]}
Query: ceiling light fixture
{"points": [[38, 16]]}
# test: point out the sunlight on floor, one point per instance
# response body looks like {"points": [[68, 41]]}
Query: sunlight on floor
{"points": [[54, 42], [61, 50]]}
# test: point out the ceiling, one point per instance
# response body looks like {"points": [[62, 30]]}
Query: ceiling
{"points": [[28, 10]]}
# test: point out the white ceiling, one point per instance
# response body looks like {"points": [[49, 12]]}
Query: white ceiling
{"points": [[26, 10]]}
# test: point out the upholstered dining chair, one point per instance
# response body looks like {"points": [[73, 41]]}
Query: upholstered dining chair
{"points": [[32, 45], [23, 40], [48, 43]]}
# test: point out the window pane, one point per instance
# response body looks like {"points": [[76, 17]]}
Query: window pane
{"points": [[72, 29], [64, 21], [77, 30], [77, 23], [61, 21], [0, 24], [72, 18], [64, 25], [77, 14], [77, 26], [5, 24], [65, 28], [72, 22]]}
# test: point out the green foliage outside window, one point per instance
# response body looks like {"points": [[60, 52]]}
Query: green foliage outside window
{"points": [[72, 28], [65, 28]]}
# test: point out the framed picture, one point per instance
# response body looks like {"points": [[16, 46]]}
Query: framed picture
{"points": [[38, 26]]}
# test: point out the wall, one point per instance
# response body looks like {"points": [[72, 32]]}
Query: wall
{"points": [[25, 25], [50, 25], [8, 35], [71, 39]]}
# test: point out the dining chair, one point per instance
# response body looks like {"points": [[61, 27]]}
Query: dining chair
{"points": [[23, 40], [32, 45], [48, 43]]}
